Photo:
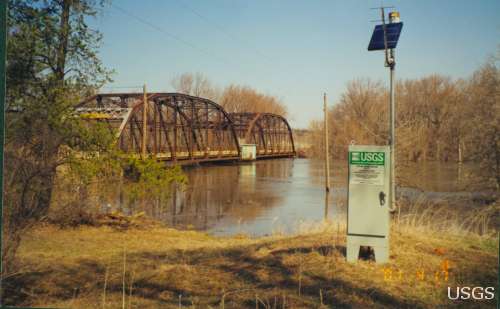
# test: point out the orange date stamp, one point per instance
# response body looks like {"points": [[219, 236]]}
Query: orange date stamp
{"points": [[420, 274]]}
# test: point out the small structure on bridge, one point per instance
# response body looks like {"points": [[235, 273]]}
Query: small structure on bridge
{"points": [[186, 129], [248, 152]]}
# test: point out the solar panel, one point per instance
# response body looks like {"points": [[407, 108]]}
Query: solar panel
{"points": [[377, 41]]}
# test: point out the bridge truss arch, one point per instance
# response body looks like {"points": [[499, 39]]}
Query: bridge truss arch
{"points": [[178, 126], [271, 133]]}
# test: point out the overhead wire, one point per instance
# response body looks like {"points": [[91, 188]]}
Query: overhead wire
{"points": [[286, 70], [188, 43], [222, 29], [169, 34]]}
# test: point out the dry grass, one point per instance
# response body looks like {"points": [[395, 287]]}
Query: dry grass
{"points": [[166, 268], [425, 215]]}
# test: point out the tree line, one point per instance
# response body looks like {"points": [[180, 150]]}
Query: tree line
{"points": [[233, 98], [437, 119]]}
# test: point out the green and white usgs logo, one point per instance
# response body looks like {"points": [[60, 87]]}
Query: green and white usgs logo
{"points": [[367, 158]]}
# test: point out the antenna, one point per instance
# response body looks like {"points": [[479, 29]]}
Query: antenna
{"points": [[384, 27]]}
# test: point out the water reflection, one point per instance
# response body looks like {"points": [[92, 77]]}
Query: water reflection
{"points": [[228, 193], [270, 196]]}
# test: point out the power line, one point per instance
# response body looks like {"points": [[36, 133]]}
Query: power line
{"points": [[233, 37], [222, 29], [286, 70], [187, 43], [170, 35]]}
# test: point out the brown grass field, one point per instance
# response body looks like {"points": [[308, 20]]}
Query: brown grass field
{"points": [[157, 267]]}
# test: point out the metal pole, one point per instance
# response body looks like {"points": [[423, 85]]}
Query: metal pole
{"points": [[392, 65], [144, 122], [327, 198], [327, 157]]}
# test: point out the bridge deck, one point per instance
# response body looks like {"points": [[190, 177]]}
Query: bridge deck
{"points": [[184, 158]]}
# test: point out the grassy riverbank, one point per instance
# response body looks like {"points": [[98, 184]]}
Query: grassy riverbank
{"points": [[91, 267]]}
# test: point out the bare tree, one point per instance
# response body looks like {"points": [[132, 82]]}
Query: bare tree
{"points": [[481, 132], [437, 119], [195, 84], [235, 98]]}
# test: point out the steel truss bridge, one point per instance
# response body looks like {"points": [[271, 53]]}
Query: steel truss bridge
{"points": [[185, 129]]}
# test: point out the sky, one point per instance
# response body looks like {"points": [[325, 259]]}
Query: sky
{"points": [[295, 50]]}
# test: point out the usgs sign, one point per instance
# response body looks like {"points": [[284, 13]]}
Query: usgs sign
{"points": [[368, 201], [366, 157]]}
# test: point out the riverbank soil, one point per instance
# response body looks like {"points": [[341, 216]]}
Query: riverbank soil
{"points": [[156, 267]]}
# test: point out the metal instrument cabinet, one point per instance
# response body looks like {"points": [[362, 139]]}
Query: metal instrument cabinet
{"points": [[368, 201]]}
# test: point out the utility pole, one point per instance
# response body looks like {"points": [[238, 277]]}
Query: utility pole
{"points": [[327, 199], [144, 122], [327, 157]]}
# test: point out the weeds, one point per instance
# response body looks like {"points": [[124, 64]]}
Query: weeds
{"points": [[438, 217]]}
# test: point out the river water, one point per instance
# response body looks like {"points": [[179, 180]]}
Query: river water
{"points": [[284, 195]]}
